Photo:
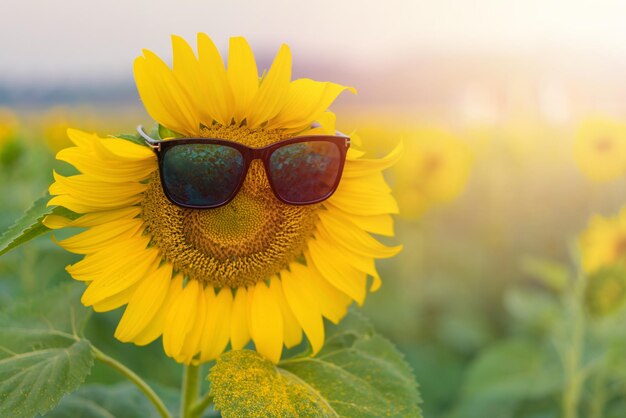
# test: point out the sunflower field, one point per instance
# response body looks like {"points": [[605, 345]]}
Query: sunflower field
{"points": [[246, 232]]}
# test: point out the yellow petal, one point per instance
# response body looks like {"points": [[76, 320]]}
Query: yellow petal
{"points": [[110, 148], [337, 271], [116, 300], [87, 187], [76, 205], [154, 328], [109, 260], [191, 347], [144, 304], [266, 323], [163, 96], [180, 319], [354, 239], [95, 194], [273, 91], [291, 327], [217, 326], [377, 224], [250, 297], [364, 167], [101, 236], [243, 76], [333, 303], [187, 71], [106, 170], [306, 101], [91, 219], [137, 267], [355, 203], [304, 306], [359, 261], [239, 333], [219, 97]]}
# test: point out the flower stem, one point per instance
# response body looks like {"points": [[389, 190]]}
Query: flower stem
{"points": [[198, 408], [598, 399], [574, 377], [190, 391], [138, 381]]}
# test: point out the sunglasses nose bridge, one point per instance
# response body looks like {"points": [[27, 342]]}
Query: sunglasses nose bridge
{"points": [[261, 156]]}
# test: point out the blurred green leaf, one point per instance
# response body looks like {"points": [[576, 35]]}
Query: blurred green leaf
{"points": [[42, 357], [10, 153], [30, 225], [533, 310], [506, 369], [440, 369], [505, 375], [102, 401], [553, 275], [358, 373]]}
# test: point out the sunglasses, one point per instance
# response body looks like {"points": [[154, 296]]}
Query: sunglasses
{"points": [[206, 173]]}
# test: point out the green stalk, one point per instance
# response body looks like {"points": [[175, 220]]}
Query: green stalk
{"points": [[598, 398], [574, 375], [190, 391], [198, 408], [138, 381]]}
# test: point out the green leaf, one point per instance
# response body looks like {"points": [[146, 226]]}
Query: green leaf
{"points": [[30, 225], [54, 313], [505, 375], [533, 309], [245, 384], [506, 368], [553, 275], [165, 133], [102, 401], [357, 374], [42, 357], [34, 381]]}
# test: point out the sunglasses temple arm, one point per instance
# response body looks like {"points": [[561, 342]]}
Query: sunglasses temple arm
{"points": [[152, 143]]}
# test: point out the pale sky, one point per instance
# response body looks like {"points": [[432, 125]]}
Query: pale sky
{"points": [[81, 39]]}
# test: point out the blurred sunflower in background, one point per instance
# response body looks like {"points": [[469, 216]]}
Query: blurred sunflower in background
{"points": [[434, 171], [256, 269], [54, 125], [603, 251], [9, 129], [8, 125], [600, 149], [603, 243]]}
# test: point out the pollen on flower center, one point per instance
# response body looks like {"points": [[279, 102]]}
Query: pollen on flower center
{"points": [[250, 239]]}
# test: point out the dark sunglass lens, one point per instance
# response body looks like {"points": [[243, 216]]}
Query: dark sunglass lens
{"points": [[305, 172], [201, 174]]}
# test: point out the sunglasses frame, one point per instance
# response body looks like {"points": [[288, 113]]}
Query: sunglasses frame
{"points": [[249, 154]]}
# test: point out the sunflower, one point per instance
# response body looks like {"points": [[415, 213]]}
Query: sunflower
{"points": [[600, 149], [255, 269], [54, 127], [435, 170], [8, 125], [603, 243]]}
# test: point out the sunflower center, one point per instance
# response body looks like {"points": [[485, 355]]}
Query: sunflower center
{"points": [[250, 239], [604, 144]]}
